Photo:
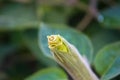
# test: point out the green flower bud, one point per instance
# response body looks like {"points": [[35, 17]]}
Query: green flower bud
{"points": [[70, 59]]}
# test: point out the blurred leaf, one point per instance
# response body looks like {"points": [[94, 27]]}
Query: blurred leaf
{"points": [[85, 1], [17, 16], [22, 1], [112, 17], [31, 40], [81, 41], [54, 14], [55, 2], [107, 61], [49, 74], [100, 36]]}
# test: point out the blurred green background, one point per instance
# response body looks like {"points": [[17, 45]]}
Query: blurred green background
{"points": [[93, 26]]}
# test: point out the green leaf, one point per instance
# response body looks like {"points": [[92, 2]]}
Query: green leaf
{"points": [[111, 17], [101, 36], [54, 2], [107, 61], [54, 14], [78, 39], [30, 38], [17, 16], [49, 74]]}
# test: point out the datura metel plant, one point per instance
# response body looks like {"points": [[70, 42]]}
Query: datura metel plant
{"points": [[70, 59]]}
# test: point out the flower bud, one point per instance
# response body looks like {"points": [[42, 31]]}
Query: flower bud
{"points": [[55, 42], [70, 59]]}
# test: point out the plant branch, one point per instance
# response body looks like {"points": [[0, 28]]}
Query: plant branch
{"points": [[91, 12]]}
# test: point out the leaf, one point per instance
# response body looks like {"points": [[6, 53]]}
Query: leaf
{"points": [[17, 16], [107, 61], [81, 41], [101, 36], [54, 14], [31, 40], [56, 2], [112, 17], [49, 74]]}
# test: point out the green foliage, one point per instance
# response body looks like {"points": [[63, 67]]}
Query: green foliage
{"points": [[102, 35], [49, 74], [25, 24], [53, 14], [107, 61], [112, 17], [17, 16]]}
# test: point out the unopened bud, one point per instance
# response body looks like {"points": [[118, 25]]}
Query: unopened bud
{"points": [[70, 59]]}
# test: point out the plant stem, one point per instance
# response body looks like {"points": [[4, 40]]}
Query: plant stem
{"points": [[91, 12]]}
